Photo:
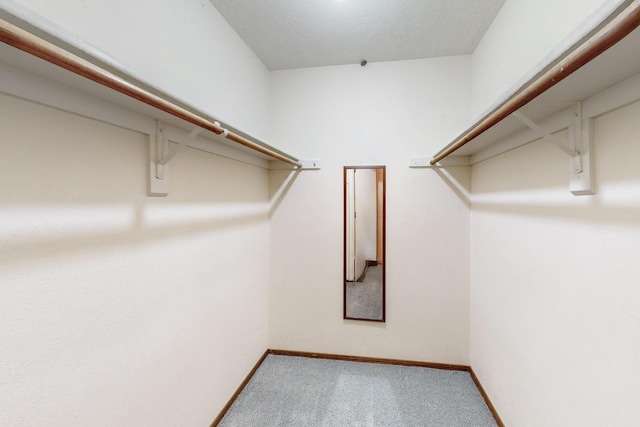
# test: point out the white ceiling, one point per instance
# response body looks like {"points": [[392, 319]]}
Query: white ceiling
{"points": [[310, 33]]}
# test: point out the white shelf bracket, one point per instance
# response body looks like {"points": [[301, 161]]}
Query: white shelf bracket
{"points": [[158, 174], [580, 166], [304, 165], [543, 133], [579, 150], [160, 156], [310, 164], [165, 159]]}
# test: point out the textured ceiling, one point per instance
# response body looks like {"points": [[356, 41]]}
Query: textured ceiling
{"points": [[310, 33]]}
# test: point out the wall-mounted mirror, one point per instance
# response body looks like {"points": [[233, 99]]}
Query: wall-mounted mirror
{"points": [[364, 243]]}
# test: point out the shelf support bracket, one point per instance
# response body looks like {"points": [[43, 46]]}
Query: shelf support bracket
{"points": [[543, 133], [579, 150], [580, 166], [167, 157], [158, 175], [160, 156]]}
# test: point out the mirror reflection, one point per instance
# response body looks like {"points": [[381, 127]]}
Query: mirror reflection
{"points": [[364, 243]]}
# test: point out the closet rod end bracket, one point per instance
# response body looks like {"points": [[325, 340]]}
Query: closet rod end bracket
{"points": [[310, 164]]}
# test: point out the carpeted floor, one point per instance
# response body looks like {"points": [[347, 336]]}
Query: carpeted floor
{"points": [[364, 299], [298, 391]]}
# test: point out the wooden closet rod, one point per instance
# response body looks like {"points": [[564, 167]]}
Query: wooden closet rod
{"points": [[27, 42], [614, 31]]}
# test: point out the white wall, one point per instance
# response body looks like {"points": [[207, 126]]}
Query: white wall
{"points": [[520, 37], [116, 308], [554, 283], [383, 113], [167, 336], [186, 48], [119, 309]]}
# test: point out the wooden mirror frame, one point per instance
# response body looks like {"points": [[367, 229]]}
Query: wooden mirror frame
{"points": [[381, 228]]}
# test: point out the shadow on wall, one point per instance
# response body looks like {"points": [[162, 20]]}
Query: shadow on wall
{"points": [[536, 166], [594, 212], [458, 180], [82, 231], [45, 216], [280, 181], [533, 181], [72, 185]]}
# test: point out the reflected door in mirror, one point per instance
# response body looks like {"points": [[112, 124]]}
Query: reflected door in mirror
{"points": [[364, 243]]}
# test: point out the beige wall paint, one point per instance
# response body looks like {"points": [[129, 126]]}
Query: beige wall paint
{"points": [[554, 282], [381, 114], [116, 308]]}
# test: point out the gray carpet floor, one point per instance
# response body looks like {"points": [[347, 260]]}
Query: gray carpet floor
{"points": [[298, 391], [364, 299]]}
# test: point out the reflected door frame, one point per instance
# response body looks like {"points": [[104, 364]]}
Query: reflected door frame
{"points": [[381, 235]]}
